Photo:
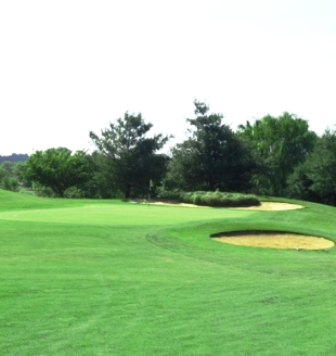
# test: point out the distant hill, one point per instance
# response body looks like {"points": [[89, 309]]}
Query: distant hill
{"points": [[14, 157]]}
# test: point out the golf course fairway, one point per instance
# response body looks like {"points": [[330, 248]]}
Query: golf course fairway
{"points": [[106, 277]]}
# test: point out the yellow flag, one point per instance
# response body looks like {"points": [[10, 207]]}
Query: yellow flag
{"points": [[151, 184]]}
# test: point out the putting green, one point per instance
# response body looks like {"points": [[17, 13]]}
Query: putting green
{"points": [[122, 214]]}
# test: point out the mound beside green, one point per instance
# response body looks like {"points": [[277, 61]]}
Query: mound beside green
{"points": [[219, 199]]}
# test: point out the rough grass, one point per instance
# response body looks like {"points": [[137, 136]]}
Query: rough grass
{"points": [[113, 278]]}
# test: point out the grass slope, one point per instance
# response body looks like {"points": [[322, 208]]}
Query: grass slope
{"points": [[111, 278]]}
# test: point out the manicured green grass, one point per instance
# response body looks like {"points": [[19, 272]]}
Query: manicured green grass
{"points": [[84, 277]]}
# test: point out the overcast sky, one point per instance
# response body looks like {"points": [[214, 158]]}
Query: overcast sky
{"points": [[71, 67]]}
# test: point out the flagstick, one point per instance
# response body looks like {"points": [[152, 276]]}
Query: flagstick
{"points": [[149, 191]]}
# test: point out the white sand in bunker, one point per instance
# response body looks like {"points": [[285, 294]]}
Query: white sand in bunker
{"points": [[267, 206], [275, 206], [278, 240]]}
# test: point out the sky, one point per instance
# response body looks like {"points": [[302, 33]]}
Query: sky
{"points": [[68, 67]]}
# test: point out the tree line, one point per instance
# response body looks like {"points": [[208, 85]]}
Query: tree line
{"points": [[14, 157], [277, 156]]}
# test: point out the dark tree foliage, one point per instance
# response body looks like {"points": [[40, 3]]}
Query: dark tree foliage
{"points": [[10, 175], [132, 158], [316, 179], [102, 184], [278, 145], [299, 184], [58, 169], [211, 158], [322, 168]]}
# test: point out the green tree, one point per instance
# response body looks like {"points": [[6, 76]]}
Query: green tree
{"points": [[322, 168], [211, 158], [278, 145], [10, 175], [6, 169], [132, 158], [102, 183], [299, 184], [58, 169], [315, 179]]}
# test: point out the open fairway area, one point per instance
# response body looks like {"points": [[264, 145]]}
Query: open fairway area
{"points": [[106, 277]]}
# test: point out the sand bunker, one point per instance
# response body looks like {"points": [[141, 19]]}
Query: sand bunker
{"points": [[275, 206], [276, 240], [267, 206]]}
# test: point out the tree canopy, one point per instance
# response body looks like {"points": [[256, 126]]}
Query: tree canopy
{"points": [[211, 158], [315, 179], [278, 145], [132, 156], [58, 169]]}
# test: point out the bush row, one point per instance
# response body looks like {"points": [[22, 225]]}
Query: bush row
{"points": [[219, 199]]}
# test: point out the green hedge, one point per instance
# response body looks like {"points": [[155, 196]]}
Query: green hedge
{"points": [[219, 199]]}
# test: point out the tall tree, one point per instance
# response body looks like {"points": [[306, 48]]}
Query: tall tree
{"points": [[322, 168], [278, 145], [58, 169], [315, 179], [212, 157], [102, 183], [133, 158]]}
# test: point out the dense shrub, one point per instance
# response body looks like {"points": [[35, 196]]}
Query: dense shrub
{"points": [[162, 193], [219, 199], [10, 183]]}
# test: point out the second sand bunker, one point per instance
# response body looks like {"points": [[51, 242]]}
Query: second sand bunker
{"points": [[277, 240]]}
